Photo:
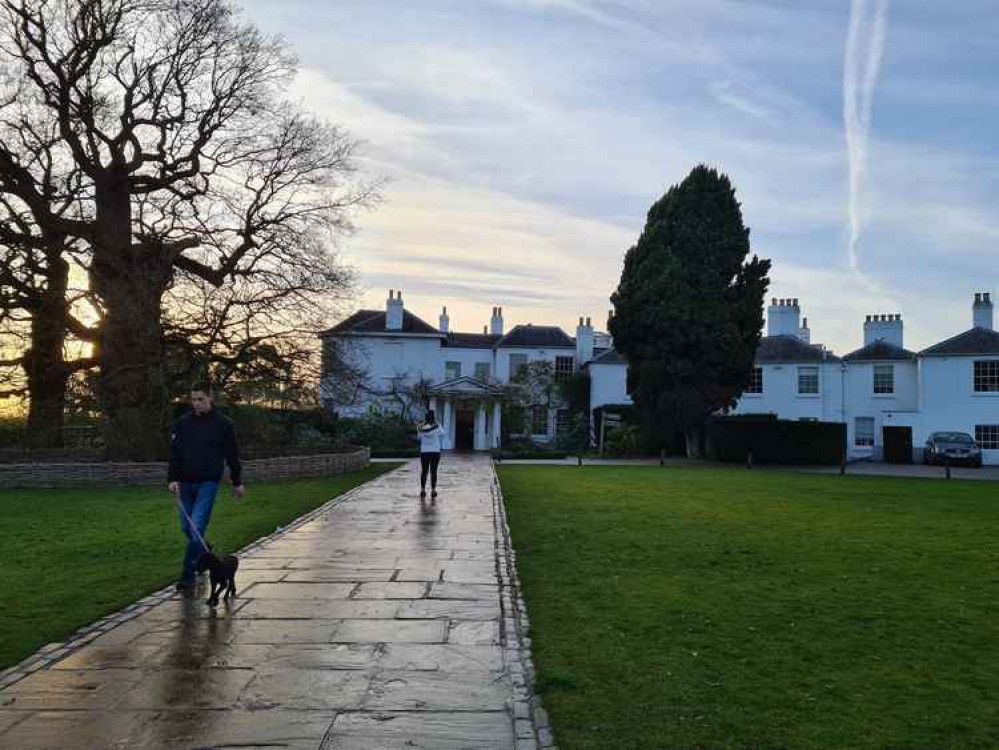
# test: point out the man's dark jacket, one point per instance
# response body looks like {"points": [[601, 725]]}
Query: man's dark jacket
{"points": [[198, 445]]}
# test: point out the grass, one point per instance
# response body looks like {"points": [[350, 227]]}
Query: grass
{"points": [[697, 608], [70, 557]]}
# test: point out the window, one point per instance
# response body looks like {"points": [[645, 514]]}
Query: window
{"points": [[987, 436], [808, 381], [987, 376], [517, 417], [863, 431], [452, 370], [517, 363], [482, 371], [539, 420], [756, 381], [562, 421], [564, 367], [884, 379]]}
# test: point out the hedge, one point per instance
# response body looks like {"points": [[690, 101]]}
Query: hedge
{"points": [[775, 441]]}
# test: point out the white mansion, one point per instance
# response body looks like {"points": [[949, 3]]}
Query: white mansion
{"points": [[953, 385]]}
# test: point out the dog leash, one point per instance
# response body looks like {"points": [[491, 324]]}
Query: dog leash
{"points": [[191, 525]]}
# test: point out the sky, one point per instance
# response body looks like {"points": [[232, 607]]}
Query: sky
{"points": [[524, 141]]}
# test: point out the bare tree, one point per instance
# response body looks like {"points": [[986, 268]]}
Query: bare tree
{"points": [[172, 112]]}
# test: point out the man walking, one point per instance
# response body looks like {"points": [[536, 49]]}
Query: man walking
{"points": [[199, 443]]}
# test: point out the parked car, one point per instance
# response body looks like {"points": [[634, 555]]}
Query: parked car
{"points": [[953, 448]]}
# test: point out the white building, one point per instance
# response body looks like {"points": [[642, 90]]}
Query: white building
{"points": [[391, 350], [953, 385]]}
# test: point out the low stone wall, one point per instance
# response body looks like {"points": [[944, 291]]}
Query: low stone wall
{"points": [[153, 473]]}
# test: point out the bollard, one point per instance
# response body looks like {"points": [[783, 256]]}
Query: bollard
{"points": [[662, 457], [947, 466], [749, 460], [579, 458], [842, 465]]}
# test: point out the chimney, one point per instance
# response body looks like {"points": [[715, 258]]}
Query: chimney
{"points": [[445, 321], [496, 322], [887, 328], [784, 318], [981, 311], [393, 312], [803, 333], [584, 342]]}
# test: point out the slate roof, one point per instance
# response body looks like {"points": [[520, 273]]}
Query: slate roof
{"points": [[373, 321], [790, 349], [974, 341], [470, 340], [609, 357], [542, 337], [879, 350]]}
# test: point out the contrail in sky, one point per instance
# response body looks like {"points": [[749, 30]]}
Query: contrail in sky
{"points": [[865, 43]]}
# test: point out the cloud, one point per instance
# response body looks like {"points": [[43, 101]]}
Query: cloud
{"points": [[862, 62]]}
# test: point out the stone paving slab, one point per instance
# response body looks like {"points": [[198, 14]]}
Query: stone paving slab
{"points": [[378, 621]]}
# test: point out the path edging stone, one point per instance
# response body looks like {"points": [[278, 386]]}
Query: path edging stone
{"points": [[531, 724]]}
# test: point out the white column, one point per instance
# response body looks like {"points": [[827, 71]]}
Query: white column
{"points": [[497, 431], [449, 424], [481, 443]]}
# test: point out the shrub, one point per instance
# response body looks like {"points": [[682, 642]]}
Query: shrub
{"points": [[625, 440], [775, 441]]}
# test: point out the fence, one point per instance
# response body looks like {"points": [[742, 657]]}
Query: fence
{"points": [[153, 473]]}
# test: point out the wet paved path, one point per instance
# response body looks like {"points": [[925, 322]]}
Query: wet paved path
{"points": [[376, 625]]}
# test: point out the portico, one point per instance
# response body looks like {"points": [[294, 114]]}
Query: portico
{"points": [[469, 410]]}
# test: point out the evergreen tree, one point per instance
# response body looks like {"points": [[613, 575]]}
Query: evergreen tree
{"points": [[688, 311]]}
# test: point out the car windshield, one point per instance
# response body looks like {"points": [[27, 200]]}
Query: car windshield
{"points": [[951, 437]]}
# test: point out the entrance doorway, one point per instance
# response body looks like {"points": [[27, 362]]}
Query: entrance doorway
{"points": [[464, 429]]}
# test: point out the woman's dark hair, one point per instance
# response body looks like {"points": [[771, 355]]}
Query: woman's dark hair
{"points": [[202, 385], [430, 416]]}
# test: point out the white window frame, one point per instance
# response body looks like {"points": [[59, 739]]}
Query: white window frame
{"points": [[887, 385], [522, 358], [536, 410], [986, 381], [987, 436], [857, 440], [818, 380], [448, 369], [479, 367], [568, 366]]}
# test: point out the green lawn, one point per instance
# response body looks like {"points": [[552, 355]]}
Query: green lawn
{"points": [[69, 557], [688, 608]]}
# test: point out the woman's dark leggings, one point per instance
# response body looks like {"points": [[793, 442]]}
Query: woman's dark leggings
{"points": [[429, 461]]}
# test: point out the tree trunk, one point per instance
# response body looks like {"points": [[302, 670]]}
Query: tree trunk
{"points": [[44, 362], [132, 388], [693, 436]]}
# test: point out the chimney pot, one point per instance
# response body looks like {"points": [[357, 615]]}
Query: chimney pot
{"points": [[588, 321], [985, 297], [774, 302], [978, 297], [391, 293], [580, 320], [445, 309], [485, 329], [795, 301]]}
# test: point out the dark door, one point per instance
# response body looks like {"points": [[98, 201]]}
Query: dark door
{"points": [[464, 430], [898, 444]]}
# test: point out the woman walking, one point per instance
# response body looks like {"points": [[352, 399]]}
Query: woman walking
{"points": [[431, 444]]}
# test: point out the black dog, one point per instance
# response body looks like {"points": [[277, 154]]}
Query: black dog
{"points": [[222, 570]]}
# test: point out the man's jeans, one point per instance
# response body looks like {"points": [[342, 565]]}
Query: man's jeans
{"points": [[198, 499]]}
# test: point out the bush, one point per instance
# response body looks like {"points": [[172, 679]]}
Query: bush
{"points": [[775, 441], [625, 440], [381, 432]]}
